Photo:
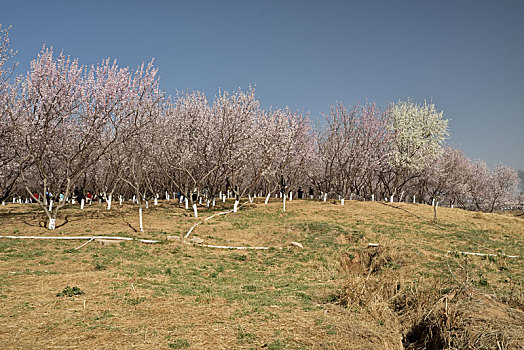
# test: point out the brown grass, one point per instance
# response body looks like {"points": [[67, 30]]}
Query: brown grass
{"points": [[336, 293]]}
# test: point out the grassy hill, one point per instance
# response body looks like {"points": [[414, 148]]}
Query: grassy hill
{"points": [[336, 292]]}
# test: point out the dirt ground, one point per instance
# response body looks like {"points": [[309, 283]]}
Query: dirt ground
{"points": [[335, 293]]}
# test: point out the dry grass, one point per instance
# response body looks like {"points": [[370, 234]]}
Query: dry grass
{"points": [[336, 293]]}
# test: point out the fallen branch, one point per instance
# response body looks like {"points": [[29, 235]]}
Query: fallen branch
{"points": [[90, 238], [220, 246], [86, 243], [209, 217]]}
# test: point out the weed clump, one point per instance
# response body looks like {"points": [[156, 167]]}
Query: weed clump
{"points": [[70, 291]]}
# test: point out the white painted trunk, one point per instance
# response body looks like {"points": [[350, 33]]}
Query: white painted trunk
{"points": [[156, 201], [372, 197], [280, 194], [414, 201], [213, 201], [290, 196], [82, 202], [187, 203], [342, 201], [284, 204], [147, 205], [50, 206], [325, 197], [433, 202], [220, 195], [391, 199], [109, 200], [181, 199], [195, 210], [51, 224], [14, 200], [223, 198], [250, 199], [72, 201], [121, 199], [267, 198], [451, 206], [3, 202], [235, 206], [207, 204], [200, 201], [351, 197], [401, 196], [140, 219]]}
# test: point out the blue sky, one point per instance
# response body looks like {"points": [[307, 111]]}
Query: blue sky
{"points": [[465, 56]]}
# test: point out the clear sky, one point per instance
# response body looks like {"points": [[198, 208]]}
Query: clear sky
{"points": [[466, 56]]}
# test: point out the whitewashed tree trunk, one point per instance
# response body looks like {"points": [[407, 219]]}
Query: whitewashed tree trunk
{"points": [[401, 196], [199, 200], [325, 197], [109, 200], [50, 206], [195, 210], [187, 203], [267, 198], [156, 201], [51, 225], [140, 219], [235, 206], [147, 205], [350, 197], [290, 196], [342, 201], [207, 203], [391, 199], [223, 198], [220, 195], [82, 202], [433, 202], [3, 202], [213, 201], [414, 201], [250, 199], [181, 199], [451, 206], [372, 197], [14, 200], [284, 203], [121, 199]]}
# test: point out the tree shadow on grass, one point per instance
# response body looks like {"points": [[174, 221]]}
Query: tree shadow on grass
{"points": [[127, 222]]}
